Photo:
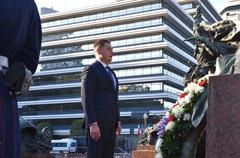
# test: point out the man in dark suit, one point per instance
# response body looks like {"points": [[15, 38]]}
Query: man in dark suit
{"points": [[99, 94]]}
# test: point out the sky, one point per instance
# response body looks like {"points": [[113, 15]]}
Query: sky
{"points": [[63, 5]]}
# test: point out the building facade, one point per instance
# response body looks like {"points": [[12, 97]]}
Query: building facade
{"points": [[232, 12], [210, 13], [150, 60]]}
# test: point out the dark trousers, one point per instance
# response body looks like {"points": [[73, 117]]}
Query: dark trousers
{"points": [[9, 123], [104, 147]]}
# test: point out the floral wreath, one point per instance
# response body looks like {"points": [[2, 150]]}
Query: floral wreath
{"points": [[176, 124]]}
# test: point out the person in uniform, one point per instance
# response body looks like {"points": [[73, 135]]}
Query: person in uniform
{"points": [[20, 42]]}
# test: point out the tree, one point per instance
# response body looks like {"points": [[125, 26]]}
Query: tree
{"points": [[76, 128]]}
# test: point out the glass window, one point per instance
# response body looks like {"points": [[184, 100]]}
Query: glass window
{"points": [[107, 14], [122, 73], [155, 38], [147, 8], [85, 18], [122, 57], [130, 56], [100, 16], [138, 9], [138, 40], [155, 6], [156, 70], [71, 21], [147, 55], [114, 28], [99, 30], [114, 43], [187, 6], [78, 19], [85, 33], [130, 41], [107, 29], [122, 12], [115, 58], [58, 22], [115, 13], [160, 37], [51, 24], [130, 26], [130, 72], [146, 39], [122, 27], [156, 86], [156, 54], [92, 31], [122, 43], [156, 22], [138, 71], [146, 71], [44, 25], [91, 17], [147, 23], [138, 24], [130, 10], [138, 56]]}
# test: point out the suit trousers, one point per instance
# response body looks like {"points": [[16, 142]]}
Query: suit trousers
{"points": [[104, 147], [9, 123]]}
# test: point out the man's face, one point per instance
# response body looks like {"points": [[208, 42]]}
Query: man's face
{"points": [[106, 53]]}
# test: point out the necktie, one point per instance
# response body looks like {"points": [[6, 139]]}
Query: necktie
{"points": [[111, 75]]}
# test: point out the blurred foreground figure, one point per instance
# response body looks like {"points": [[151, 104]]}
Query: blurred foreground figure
{"points": [[20, 42]]}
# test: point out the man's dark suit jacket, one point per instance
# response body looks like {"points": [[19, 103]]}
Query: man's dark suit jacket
{"points": [[99, 97]]}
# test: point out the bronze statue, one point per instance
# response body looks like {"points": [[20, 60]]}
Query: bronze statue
{"points": [[216, 45], [149, 136], [217, 51], [33, 142], [211, 41]]}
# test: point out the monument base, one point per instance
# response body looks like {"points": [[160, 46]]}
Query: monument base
{"points": [[144, 151], [223, 117]]}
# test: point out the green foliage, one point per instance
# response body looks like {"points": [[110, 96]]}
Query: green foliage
{"points": [[76, 128]]}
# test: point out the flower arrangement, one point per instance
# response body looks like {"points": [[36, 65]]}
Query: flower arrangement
{"points": [[176, 123]]}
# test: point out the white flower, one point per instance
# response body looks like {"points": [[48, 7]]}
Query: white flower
{"points": [[186, 117], [188, 98], [177, 111], [170, 126], [158, 145], [199, 89], [190, 87], [182, 102], [167, 114]]}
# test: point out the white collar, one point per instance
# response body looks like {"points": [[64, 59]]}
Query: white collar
{"points": [[104, 65]]}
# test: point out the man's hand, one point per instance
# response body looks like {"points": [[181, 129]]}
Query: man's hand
{"points": [[118, 130], [95, 132]]}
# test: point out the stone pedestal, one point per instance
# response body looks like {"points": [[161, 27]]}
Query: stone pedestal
{"points": [[223, 119], [144, 151]]}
